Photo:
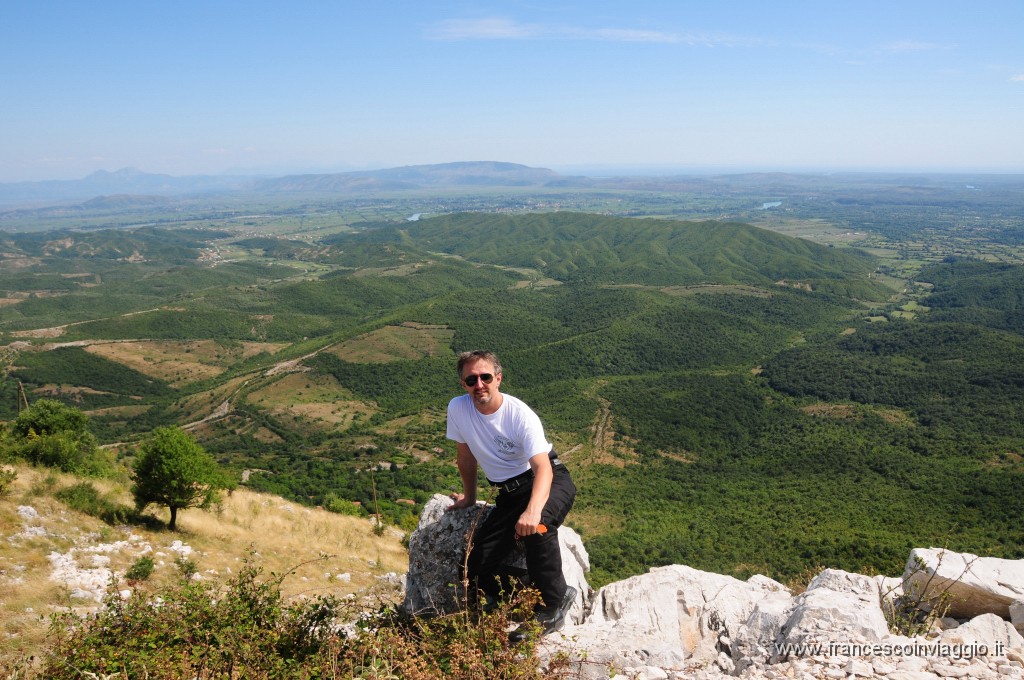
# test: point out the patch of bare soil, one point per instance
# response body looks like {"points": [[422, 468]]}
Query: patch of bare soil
{"points": [[1008, 459], [54, 332], [843, 411]]}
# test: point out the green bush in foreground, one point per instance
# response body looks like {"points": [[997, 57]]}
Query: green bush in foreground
{"points": [[200, 630]]}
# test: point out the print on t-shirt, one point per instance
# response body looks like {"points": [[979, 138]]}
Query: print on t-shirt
{"points": [[506, 447]]}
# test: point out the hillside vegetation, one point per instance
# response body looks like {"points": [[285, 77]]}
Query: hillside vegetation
{"points": [[59, 556], [727, 397]]}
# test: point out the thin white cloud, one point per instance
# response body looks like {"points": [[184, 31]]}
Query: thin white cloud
{"points": [[483, 29], [622, 35], [903, 46], [506, 29], [1018, 78]]}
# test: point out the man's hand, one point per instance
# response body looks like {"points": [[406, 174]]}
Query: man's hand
{"points": [[528, 523], [460, 502], [542, 475]]}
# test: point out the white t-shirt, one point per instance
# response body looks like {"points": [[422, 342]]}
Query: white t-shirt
{"points": [[502, 442]]}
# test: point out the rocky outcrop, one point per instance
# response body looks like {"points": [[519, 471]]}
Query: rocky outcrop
{"points": [[678, 622], [437, 550], [668, 615]]}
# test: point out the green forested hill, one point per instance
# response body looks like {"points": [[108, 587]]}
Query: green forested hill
{"points": [[576, 246], [714, 387]]}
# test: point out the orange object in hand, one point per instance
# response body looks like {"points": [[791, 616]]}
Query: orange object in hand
{"points": [[541, 529]]}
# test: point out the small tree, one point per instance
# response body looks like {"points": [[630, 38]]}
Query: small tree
{"points": [[172, 469]]}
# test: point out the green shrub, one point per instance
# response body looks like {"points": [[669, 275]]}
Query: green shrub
{"points": [[245, 629], [341, 506], [7, 478], [53, 434], [187, 567], [85, 498], [140, 570]]}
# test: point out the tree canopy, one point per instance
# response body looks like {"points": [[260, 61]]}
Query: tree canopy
{"points": [[54, 434], [172, 469]]}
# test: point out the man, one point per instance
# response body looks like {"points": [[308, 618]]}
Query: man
{"points": [[505, 437]]}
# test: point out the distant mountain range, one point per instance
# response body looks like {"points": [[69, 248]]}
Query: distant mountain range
{"points": [[472, 174], [125, 181], [128, 185], [132, 182]]}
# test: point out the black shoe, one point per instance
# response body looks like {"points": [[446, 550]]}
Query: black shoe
{"points": [[549, 621]]}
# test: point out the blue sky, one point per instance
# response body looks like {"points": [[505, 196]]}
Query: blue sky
{"points": [[207, 87]]}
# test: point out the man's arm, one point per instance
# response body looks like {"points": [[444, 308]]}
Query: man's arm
{"points": [[467, 470], [542, 476]]}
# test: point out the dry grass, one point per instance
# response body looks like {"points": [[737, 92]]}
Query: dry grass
{"points": [[854, 412], [54, 332], [180, 363], [395, 343], [203, 404], [840, 411], [400, 270], [317, 400], [894, 416], [718, 289], [282, 535], [122, 411], [605, 449]]}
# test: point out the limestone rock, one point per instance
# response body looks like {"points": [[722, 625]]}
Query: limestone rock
{"points": [[822, 613], [844, 582], [437, 550], [594, 647], [988, 630], [977, 585], [675, 618], [679, 605], [754, 641]]}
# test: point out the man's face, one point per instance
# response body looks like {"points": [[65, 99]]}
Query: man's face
{"points": [[482, 393]]}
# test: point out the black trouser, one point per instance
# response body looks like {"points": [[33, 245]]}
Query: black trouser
{"points": [[496, 538]]}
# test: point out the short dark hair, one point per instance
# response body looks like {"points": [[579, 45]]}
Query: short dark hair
{"points": [[477, 355]]}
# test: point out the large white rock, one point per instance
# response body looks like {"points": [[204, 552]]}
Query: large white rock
{"points": [[593, 648], [674, 618], [678, 607], [989, 630], [839, 607], [976, 585], [437, 550], [755, 641]]}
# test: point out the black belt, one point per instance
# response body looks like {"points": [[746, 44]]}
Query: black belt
{"points": [[522, 480]]}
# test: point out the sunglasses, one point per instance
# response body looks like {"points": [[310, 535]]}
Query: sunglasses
{"points": [[470, 380]]}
